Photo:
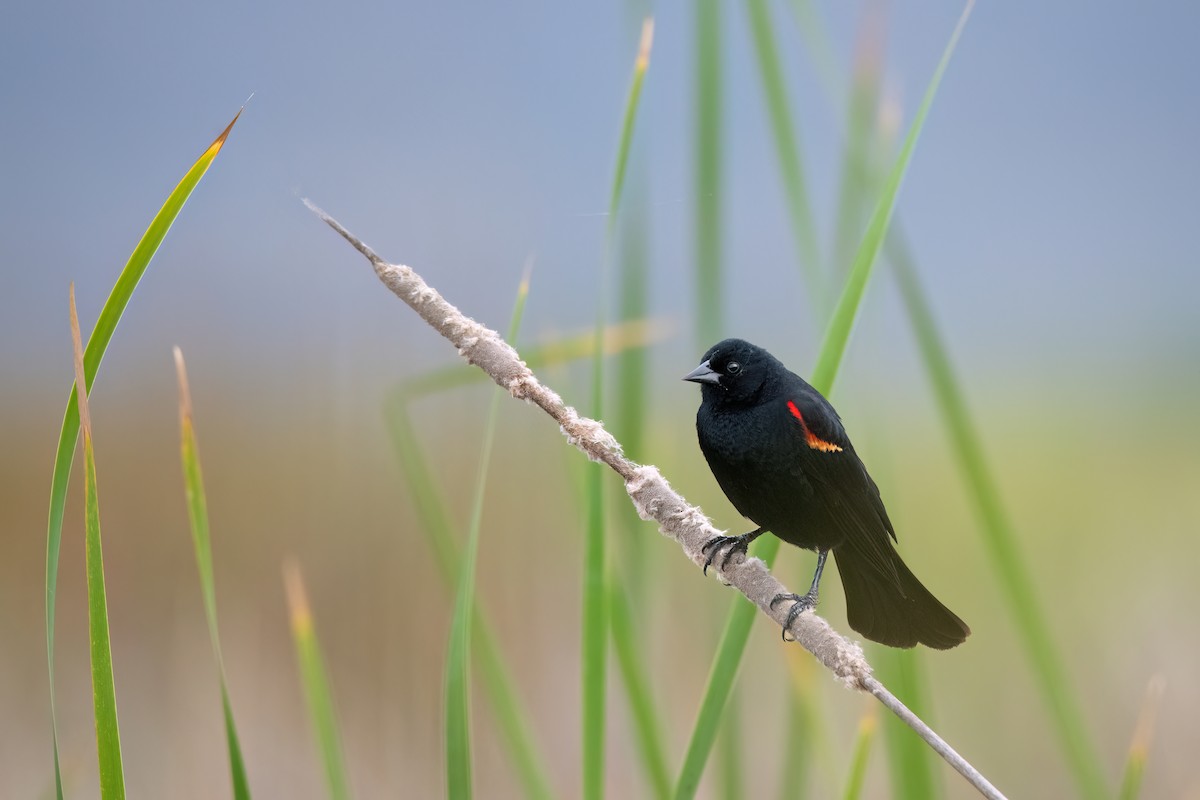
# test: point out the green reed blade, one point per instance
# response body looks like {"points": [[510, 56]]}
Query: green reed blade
{"points": [[458, 657], [594, 627], [816, 43], [858, 180], [838, 334], [317, 694], [998, 534], [1139, 748], [647, 724], [787, 147], [710, 308], [98, 342], [193, 480], [862, 752], [910, 759], [104, 692], [431, 509]]}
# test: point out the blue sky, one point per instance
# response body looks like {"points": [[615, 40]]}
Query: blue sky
{"points": [[1050, 201]]}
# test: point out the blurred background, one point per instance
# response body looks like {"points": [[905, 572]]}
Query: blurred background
{"points": [[1048, 209]]}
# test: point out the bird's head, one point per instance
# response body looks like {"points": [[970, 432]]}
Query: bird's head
{"points": [[733, 372]]}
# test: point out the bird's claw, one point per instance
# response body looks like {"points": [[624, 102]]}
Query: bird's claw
{"points": [[714, 546], [800, 604]]}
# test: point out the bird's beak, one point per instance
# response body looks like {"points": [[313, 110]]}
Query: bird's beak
{"points": [[703, 374]]}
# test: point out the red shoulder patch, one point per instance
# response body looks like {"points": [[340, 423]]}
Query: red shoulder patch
{"points": [[813, 441]]}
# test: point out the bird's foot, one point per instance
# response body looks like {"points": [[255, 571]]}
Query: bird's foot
{"points": [[800, 604], [730, 544]]}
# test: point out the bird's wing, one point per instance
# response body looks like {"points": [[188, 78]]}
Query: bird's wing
{"points": [[853, 500]]}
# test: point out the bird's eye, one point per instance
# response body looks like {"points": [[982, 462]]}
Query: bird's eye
{"points": [[733, 368]]}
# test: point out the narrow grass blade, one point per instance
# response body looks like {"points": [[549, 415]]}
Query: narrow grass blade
{"points": [[733, 779], [1139, 748], [647, 724], [786, 144], [862, 752], [838, 333], [741, 615], [816, 43], [710, 92], [427, 498], [628, 421], [630, 117], [999, 536], [510, 715], [317, 694], [910, 759], [594, 626], [720, 682], [595, 637], [97, 344], [803, 742], [596, 600], [430, 505], [193, 481], [458, 657], [629, 588], [857, 178], [796, 765], [104, 693]]}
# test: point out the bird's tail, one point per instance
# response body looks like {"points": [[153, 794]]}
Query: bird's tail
{"points": [[898, 613]]}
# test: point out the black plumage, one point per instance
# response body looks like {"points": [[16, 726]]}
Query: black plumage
{"points": [[779, 452]]}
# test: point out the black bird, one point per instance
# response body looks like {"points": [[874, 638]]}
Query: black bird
{"points": [[782, 457]]}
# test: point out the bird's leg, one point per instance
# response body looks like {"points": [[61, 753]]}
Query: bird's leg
{"points": [[802, 602], [734, 543]]}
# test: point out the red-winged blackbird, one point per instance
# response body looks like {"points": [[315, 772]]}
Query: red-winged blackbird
{"points": [[782, 457]]}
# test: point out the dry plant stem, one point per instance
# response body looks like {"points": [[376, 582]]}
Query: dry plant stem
{"points": [[652, 496]]}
